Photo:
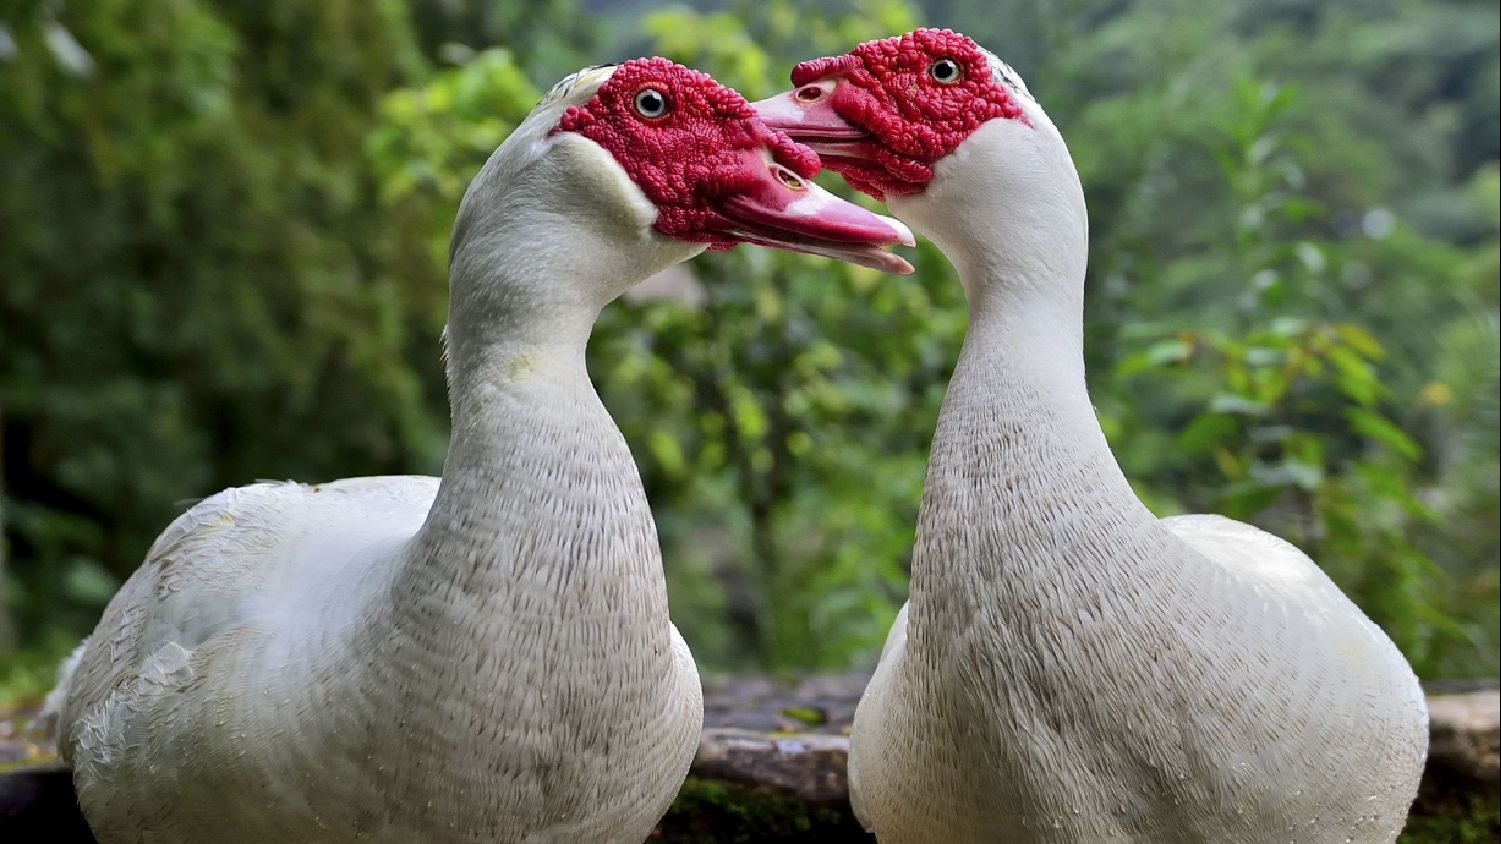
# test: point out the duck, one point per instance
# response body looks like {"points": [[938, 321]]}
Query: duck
{"points": [[1069, 667], [485, 656]]}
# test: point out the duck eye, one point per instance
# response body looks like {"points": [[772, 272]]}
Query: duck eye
{"points": [[789, 178], [651, 103], [945, 72]]}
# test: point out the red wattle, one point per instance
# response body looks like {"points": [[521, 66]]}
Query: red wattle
{"points": [[691, 155], [886, 90]]}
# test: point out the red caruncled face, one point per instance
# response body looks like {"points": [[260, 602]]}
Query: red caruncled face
{"points": [[687, 142], [919, 95]]}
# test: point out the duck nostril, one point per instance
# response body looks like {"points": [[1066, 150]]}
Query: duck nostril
{"points": [[809, 93], [790, 179]]}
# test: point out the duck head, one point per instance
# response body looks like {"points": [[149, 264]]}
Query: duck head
{"points": [[622, 171], [950, 138]]}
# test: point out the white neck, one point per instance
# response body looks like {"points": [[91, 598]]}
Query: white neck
{"points": [[537, 479], [1022, 487], [540, 505]]}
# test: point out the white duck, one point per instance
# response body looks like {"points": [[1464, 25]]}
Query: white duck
{"points": [[1071, 668], [481, 658]]}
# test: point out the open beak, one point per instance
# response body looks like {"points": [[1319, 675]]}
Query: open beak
{"points": [[782, 210], [807, 115]]}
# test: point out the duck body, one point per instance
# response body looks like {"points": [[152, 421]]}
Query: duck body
{"points": [[1097, 676], [485, 657], [1070, 669], [571, 716]]}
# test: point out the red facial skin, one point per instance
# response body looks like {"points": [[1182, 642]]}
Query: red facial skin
{"points": [[708, 146], [885, 88]]}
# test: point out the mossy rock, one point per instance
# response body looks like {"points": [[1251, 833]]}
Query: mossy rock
{"points": [[727, 813]]}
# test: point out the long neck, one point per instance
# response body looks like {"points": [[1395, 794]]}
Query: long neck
{"points": [[541, 507], [1022, 492]]}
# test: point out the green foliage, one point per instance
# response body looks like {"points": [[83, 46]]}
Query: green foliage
{"points": [[224, 230], [185, 258], [27, 677], [1297, 431]]}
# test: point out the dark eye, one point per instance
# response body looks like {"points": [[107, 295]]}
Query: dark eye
{"points": [[651, 103], [945, 71]]}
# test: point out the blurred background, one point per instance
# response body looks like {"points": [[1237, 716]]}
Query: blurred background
{"points": [[223, 234]]}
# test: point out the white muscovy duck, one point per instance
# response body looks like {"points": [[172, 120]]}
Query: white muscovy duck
{"points": [[481, 658], [1069, 667]]}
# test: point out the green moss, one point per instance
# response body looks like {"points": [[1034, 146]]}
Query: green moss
{"points": [[806, 715], [1467, 819], [725, 813]]}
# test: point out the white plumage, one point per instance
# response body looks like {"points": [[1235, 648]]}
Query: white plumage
{"points": [[1071, 669], [485, 658]]}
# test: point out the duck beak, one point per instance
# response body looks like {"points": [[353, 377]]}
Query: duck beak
{"points": [[807, 115], [775, 207]]}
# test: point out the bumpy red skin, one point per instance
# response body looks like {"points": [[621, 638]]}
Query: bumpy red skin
{"points": [[915, 121], [707, 145]]}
